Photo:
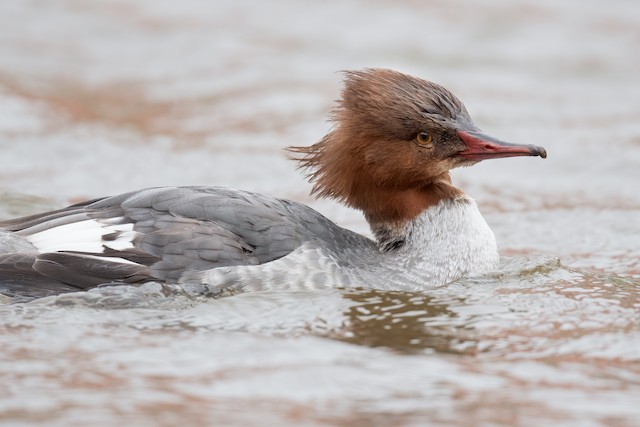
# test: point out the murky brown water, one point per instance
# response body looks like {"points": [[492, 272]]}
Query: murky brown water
{"points": [[103, 97]]}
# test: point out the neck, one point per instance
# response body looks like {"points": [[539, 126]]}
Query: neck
{"points": [[389, 212], [383, 205]]}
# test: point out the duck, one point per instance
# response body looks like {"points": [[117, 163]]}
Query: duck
{"points": [[394, 140]]}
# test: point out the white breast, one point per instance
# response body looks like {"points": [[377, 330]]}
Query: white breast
{"points": [[449, 241]]}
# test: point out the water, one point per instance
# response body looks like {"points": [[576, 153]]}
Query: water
{"points": [[109, 96], [535, 343]]}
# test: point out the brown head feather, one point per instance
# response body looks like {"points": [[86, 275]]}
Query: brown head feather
{"points": [[370, 160]]}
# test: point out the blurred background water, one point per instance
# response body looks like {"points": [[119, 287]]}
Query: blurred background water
{"points": [[105, 96]]}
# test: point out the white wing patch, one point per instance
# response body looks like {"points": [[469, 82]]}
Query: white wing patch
{"points": [[84, 236]]}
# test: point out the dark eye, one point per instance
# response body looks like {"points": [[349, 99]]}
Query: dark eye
{"points": [[423, 138]]}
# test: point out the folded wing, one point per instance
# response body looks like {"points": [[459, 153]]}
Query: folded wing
{"points": [[156, 234]]}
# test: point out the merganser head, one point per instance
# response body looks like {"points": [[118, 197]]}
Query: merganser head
{"points": [[397, 134]]}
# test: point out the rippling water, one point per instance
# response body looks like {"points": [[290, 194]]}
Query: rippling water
{"points": [[103, 97], [535, 343]]}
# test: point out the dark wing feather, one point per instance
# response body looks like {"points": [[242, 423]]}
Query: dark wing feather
{"points": [[19, 280], [84, 272]]}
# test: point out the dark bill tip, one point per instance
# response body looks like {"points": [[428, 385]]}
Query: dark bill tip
{"points": [[481, 146]]}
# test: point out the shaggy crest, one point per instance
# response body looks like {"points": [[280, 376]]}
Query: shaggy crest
{"points": [[369, 158]]}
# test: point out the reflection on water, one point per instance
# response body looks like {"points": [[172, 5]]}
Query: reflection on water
{"points": [[402, 321], [497, 314]]}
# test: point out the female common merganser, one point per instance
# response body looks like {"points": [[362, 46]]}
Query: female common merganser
{"points": [[395, 139]]}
